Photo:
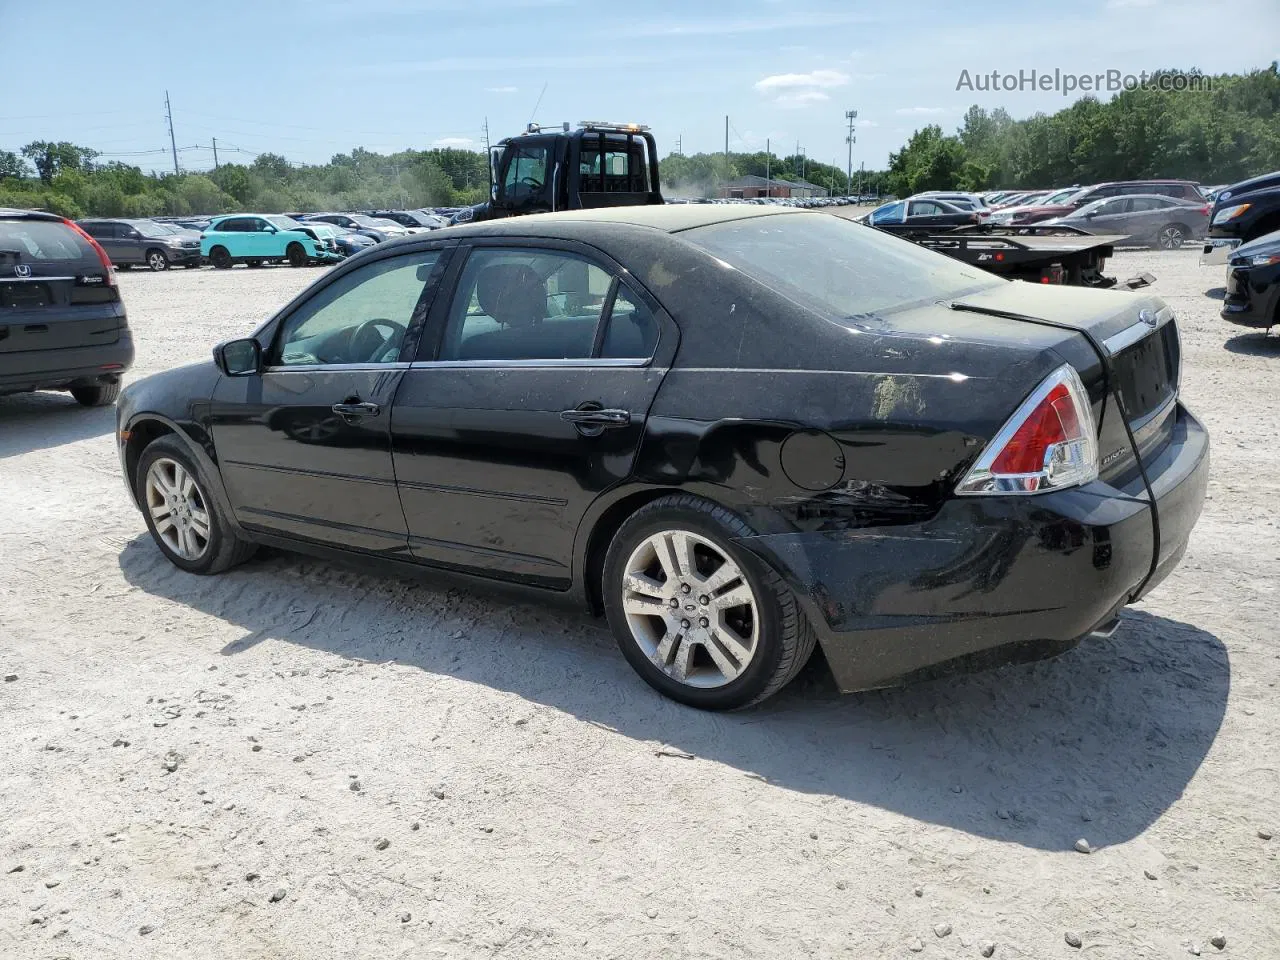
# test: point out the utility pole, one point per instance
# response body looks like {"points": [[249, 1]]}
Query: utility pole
{"points": [[168, 115], [215, 153], [488, 155], [726, 156], [680, 144], [768, 185], [850, 115]]}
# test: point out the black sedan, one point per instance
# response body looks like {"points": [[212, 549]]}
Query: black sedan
{"points": [[1253, 283], [917, 215], [737, 431]]}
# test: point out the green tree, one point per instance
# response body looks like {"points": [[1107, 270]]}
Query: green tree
{"points": [[51, 158], [12, 166]]}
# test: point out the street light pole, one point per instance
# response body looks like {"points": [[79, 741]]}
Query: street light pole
{"points": [[850, 115]]}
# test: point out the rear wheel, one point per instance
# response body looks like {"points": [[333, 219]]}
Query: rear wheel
{"points": [[157, 260], [1171, 236], [700, 618], [184, 520], [296, 255], [96, 394], [220, 258]]}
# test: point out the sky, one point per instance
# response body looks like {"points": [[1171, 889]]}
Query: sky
{"points": [[315, 78]]}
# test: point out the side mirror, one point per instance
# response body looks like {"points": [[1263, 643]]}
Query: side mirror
{"points": [[271, 229], [1091, 214], [238, 358]]}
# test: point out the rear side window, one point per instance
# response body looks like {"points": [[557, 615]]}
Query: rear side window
{"points": [[835, 267], [28, 240]]}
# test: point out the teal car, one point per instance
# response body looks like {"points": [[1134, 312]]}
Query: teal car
{"points": [[256, 238]]}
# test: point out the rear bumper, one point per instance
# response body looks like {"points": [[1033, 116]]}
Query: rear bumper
{"points": [[51, 369], [987, 572]]}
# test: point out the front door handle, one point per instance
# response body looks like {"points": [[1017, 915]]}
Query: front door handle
{"points": [[356, 410], [604, 419]]}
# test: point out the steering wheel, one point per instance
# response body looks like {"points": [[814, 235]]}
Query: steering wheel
{"points": [[368, 341], [530, 182]]}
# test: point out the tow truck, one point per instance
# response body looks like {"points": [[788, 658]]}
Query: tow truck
{"points": [[599, 164]]}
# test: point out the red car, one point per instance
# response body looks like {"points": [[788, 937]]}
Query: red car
{"points": [[1179, 189]]}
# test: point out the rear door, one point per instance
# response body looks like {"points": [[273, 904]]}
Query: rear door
{"points": [[1146, 216], [530, 404], [54, 294]]}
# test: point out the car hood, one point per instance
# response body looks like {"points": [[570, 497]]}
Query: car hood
{"points": [[1267, 181], [1268, 243]]}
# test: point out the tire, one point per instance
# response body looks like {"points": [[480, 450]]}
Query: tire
{"points": [[124, 266], [157, 260], [221, 258], [1171, 236], [202, 541], [777, 638], [296, 255], [97, 395]]}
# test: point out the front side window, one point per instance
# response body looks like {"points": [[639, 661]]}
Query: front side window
{"points": [[362, 317], [526, 170], [925, 209], [526, 305], [833, 266], [889, 213]]}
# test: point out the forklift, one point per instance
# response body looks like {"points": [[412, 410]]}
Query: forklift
{"points": [[558, 168]]}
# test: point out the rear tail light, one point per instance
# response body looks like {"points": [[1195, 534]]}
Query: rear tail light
{"points": [[108, 275], [1049, 443]]}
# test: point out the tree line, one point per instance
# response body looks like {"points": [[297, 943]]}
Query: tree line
{"points": [[1224, 134], [68, 179]]}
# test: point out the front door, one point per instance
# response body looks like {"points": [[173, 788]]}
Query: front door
{"points": [[531, 405], [305, 446]]}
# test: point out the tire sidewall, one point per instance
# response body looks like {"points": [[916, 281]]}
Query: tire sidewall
{"points": [[745, 688], [296, 255], [164, 260], [171, 449], [220, 257]]}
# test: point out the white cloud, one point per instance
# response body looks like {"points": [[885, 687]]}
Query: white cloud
{"points": [[867, 123], [501, 89], [1117, 4], [790, 81], [920, 111], [460, 142]]}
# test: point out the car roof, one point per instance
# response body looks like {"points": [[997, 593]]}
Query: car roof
{"points": [[14, 213], [670, 218]]}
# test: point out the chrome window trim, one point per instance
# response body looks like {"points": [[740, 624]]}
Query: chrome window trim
{"points": [[337, 367], [568, 362]]}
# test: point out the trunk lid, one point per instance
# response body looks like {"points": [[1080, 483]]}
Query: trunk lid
{"points": [[54, 289]]}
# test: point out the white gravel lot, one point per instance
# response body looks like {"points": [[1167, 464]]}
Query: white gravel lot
{"points": [[540, 801]]}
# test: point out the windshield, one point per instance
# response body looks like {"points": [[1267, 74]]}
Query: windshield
{"points": [[888, 212], [382, 223], [1093, 207], [149, 229], [285, 223], [836, 267], [1056, 198], [366, 221]]}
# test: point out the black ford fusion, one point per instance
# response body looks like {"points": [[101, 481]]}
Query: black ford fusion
{"points": [[737, 432], [1253, 283]]}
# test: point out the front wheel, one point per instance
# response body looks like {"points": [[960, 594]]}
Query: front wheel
{"points": [[1171, 236], [296, 255], [157, 260], [184, 520], [699, 617], [220, 258]]}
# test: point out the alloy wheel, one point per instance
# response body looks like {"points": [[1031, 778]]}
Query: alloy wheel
{"points": [[690, 608], [178, 508], [157, 261], [1171, 238]]}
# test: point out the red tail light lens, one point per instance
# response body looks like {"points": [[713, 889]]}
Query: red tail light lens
{"points": [[1049, 443], [109, 275]]}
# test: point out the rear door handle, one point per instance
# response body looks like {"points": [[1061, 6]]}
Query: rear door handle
{"points": [[605, 419], [351, 409]]}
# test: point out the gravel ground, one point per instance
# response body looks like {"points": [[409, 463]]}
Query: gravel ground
{"points": [[299, 760]]}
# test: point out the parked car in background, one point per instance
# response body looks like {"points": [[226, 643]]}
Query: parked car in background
{"points": [[255, 239], [414, 220], [377, 230], [1248, 210], [1062, 206], [1157, 221], [1253, 283], [965, 201], [62, 323], [340, 240], [145, 243], [918, 213]]}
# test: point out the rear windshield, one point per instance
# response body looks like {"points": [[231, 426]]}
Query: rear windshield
{"points": [[28, 240], [285, 223], [836, 267]]}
